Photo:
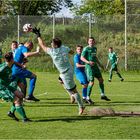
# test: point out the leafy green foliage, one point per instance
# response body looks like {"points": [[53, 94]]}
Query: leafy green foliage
{"points": [[101, 7], [37, 7]]}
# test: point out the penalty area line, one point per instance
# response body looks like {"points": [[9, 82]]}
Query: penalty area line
{"points": [[42, 94]]}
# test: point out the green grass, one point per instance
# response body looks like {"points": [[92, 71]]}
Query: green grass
{"points": [[55, 118]]}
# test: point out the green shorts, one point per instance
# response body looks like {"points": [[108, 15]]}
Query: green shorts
{"points": [[6, 95], [93, 72], [7, 92], [114, 67]]}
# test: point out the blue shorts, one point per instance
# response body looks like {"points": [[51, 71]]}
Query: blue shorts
{"points": [[82, 78], [22, 74]]}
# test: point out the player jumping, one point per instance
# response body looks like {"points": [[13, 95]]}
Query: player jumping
{"points": [[59, 54]]}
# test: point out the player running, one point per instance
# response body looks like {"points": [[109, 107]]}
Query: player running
{"points": [[92, 70], [113, 59], [22, 52], [59, 54], [79, 69], [8, 88]]}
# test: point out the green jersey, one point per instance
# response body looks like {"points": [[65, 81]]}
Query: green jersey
{"points": [[5, 74], [112, 57], [89, 53]]}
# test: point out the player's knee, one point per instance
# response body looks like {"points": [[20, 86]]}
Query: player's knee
{"points": [[17, 101], [101, 80], [34, 76], [85, 86], [91, 83]]}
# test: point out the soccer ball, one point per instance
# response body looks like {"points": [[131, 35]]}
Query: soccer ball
{"points": [[27, 27]]}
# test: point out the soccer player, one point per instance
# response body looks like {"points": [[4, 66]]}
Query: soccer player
{"points": [[92, 70], [59, 54], [79, 69], [113, 59], [22, 52], [8, 88]]}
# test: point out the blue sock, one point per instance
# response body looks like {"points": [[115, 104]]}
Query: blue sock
{"points": [[84, 92], [32, 86]]}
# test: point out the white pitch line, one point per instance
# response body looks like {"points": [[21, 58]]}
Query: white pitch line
{"points": [[42, 94]]}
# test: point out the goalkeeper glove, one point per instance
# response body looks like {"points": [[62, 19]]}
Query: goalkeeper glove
{"points": [[36, 31]]}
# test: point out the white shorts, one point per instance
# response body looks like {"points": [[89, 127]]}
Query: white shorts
{"points": [[68, 79]]}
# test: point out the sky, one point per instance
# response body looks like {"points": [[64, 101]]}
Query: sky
{"points": [[66, 12]]}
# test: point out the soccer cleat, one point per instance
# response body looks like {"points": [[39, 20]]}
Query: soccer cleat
{"points": [[89, 101], [25, 120], [81, 110], [72, 99], [85, 100], [109, 80], [122, 80], [105, 98], [12, 115], [30, 99]]}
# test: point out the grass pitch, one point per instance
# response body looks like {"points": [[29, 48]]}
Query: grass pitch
{"points": [[55, 118]]}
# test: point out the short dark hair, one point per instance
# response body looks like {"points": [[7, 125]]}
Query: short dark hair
{"points": [[14, 41], [8, 56], [91, 38], [110, 48], [57, 42], [79, 46]]}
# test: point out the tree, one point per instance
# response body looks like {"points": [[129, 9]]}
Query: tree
{"points": [[36, 7], [100, 7]]}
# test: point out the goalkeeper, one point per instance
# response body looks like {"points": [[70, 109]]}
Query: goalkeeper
{"points": [[113, 59], [59, 54]]}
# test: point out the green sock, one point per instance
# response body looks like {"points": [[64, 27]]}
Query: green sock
{"points": [[119, 75], [110, 75], [89, 89], [21, 111], [13, 108], [78, 99], [101, 85]]}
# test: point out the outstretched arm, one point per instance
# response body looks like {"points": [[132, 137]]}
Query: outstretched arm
{"points": [[40, 41], [41, 44], [29, 54]]}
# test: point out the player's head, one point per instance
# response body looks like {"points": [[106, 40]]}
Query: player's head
{"points": [[91, 41], [56, 43], [8, 57], [79, 49], [29, 45], [110, 49], [14, 45]]}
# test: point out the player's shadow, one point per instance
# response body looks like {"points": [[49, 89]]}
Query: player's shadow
{"points": [[71, 119]]}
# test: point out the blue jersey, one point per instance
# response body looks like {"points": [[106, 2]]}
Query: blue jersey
{"points": [[19, 57], [80, 72], [79, 61]]}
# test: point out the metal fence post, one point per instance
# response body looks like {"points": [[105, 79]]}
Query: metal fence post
{"points": [[18, 27], [53, 25], [125, 35], [90, 24]]}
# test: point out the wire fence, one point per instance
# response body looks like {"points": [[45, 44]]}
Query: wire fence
{"points": [[109, 31]]}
